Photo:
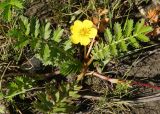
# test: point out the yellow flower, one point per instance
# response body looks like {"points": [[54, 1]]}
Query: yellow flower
{"points": [[83, 32]]}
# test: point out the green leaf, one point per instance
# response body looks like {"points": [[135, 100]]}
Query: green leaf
{"points": [[134, 42], [1, 96], [22, 42], [3, 5], [129, 28], [139, 26], [67, 45], [74, 94], [7, 13], [47, 31], [59, 109], [16, 3], [117, 31], [69, 67], [113, 49], [123, 45], [108, 35], [57, 34], [57, 95], [24, 20], [37, 29], [143, 38], [27, 29], [46, 53], [146, 29], [35, 44]]}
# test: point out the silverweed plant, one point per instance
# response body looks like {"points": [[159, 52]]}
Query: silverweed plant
{"points": [[81, 53], [52, 49]]}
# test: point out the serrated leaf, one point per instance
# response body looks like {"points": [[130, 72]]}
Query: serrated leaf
{"points": [[67, 45], [74, 94], [129, 28], [24, 20], [108, 35], [70, 67], [13, 85], [57, 34], [36, 29], [27, 29], [146, 29], [143, 38], [100, 55], [3, 5], [113, 49], [139, 26], [22, 42], [117, 31], [123, 45], [134, 42], [46, 52], [36, 43], [47, 31], [16, 3], [7, 13], [57, 95]]}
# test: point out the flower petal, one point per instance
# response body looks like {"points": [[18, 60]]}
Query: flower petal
{"points": [[76, 27], [93, 33], [84, 41], [78, 23], [75, 39], [87, 24]]}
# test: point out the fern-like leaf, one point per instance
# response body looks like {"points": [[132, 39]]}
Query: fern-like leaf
{"points": [[139, 26], [134, 42], [69, 67], [47, 31], [146, 29], [129, 28], [37, 27], [108, 35], [57, 34], [113, 49], [143, 38], [117, 31], [123, 46]]}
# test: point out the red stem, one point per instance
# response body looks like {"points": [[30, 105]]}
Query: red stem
{"points": [[145, 85]]}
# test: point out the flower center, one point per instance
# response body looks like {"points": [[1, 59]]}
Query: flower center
{"points": [[84, 31]]}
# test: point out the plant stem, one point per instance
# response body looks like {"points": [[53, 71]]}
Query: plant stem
{"points": [[1, 78], [97, 75], [84, 70], [84, 52], [90, 61], [90, 48]]}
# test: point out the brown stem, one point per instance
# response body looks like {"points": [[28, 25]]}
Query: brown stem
{"points": [[90, 61], [90, 48], [98, 75], [84, 51], [84, 70]]}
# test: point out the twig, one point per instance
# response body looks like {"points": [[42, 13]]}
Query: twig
{"points": [[146, 99], [4, 74]]}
